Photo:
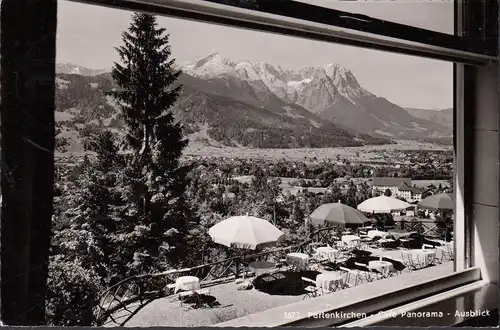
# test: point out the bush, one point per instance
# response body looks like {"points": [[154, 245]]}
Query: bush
{"points": [[72, 294]]}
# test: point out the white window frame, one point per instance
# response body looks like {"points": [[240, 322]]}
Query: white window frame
{"points": [[463, 233]]}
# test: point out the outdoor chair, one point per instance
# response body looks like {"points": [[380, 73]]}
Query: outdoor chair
{"points": [[439, 257], [394, 271], [319, 258], [351, 275], [280, 259], [313, 264], [169, 288], [196, 294], [343, 246], [438, 251], [447, 252], [409, 262], [310, 288], [405, 243], [369, 274], [421, 261]]}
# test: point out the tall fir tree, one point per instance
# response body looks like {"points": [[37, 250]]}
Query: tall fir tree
{"points": [[154, 180]]}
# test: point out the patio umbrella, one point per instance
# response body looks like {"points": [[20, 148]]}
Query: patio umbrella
{"points": [[337, 213], [245, 232], [382, 204], [438, 202]]}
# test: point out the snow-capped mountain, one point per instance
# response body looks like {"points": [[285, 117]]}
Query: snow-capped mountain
{"points": [[70, 68], [289, 86], [330, 91]]}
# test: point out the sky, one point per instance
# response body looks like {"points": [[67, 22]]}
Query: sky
{"points": [[87, 36]]}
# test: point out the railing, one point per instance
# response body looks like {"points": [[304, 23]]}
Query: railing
{"points": [[127, 297], [324, 235], [428, 228]]}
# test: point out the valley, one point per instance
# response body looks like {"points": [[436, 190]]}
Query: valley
{"points": [[361, 154], [256, 110]]}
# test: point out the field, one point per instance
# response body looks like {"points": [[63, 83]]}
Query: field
{"points": [[354, 154], [365, 153]]}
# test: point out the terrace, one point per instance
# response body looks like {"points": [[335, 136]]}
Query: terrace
{"points": [[237, 304], [223, 299]]}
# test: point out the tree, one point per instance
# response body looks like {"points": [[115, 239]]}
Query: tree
{"points": [[388, 192], [153, 180], [351, 196], [72, 291], [62, 143]]}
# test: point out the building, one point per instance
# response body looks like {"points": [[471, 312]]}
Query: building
{"points": [[380, 185], [399, 187], [411, 194]]}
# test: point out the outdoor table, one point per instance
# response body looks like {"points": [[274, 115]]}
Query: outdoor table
{"points": [[423, 257], [375, 233], [298, 259], [351, 240], [329, 281], [261, 267], [328, 252], [383, 267], [426, 257], [187, 283]]}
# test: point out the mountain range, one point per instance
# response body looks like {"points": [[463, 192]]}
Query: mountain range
{"points": [[70, 68], [443, 116], [255, 105]]}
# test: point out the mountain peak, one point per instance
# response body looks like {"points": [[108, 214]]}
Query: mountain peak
{"points": [[71, 68], [334, 69], [211, 65], [213, 54]]}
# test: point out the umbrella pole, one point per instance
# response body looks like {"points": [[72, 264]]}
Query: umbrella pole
{"points": [[243, 264], [445, 225]]}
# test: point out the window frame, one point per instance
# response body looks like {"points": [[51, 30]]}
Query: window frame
{"points": [[334, 26], [464, 48], [472, 44]]}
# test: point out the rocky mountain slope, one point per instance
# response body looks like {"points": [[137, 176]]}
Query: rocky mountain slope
{"points": [[443, 117], [330, 91]]}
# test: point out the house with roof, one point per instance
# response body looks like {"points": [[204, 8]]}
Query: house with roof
{"points": [[399, 187], [411, 194], [380, 184]]}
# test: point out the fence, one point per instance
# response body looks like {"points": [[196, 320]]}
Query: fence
{"points": [[130, 295]]}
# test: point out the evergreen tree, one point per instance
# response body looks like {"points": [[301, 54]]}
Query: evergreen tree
{"points": [[153, 179]]}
